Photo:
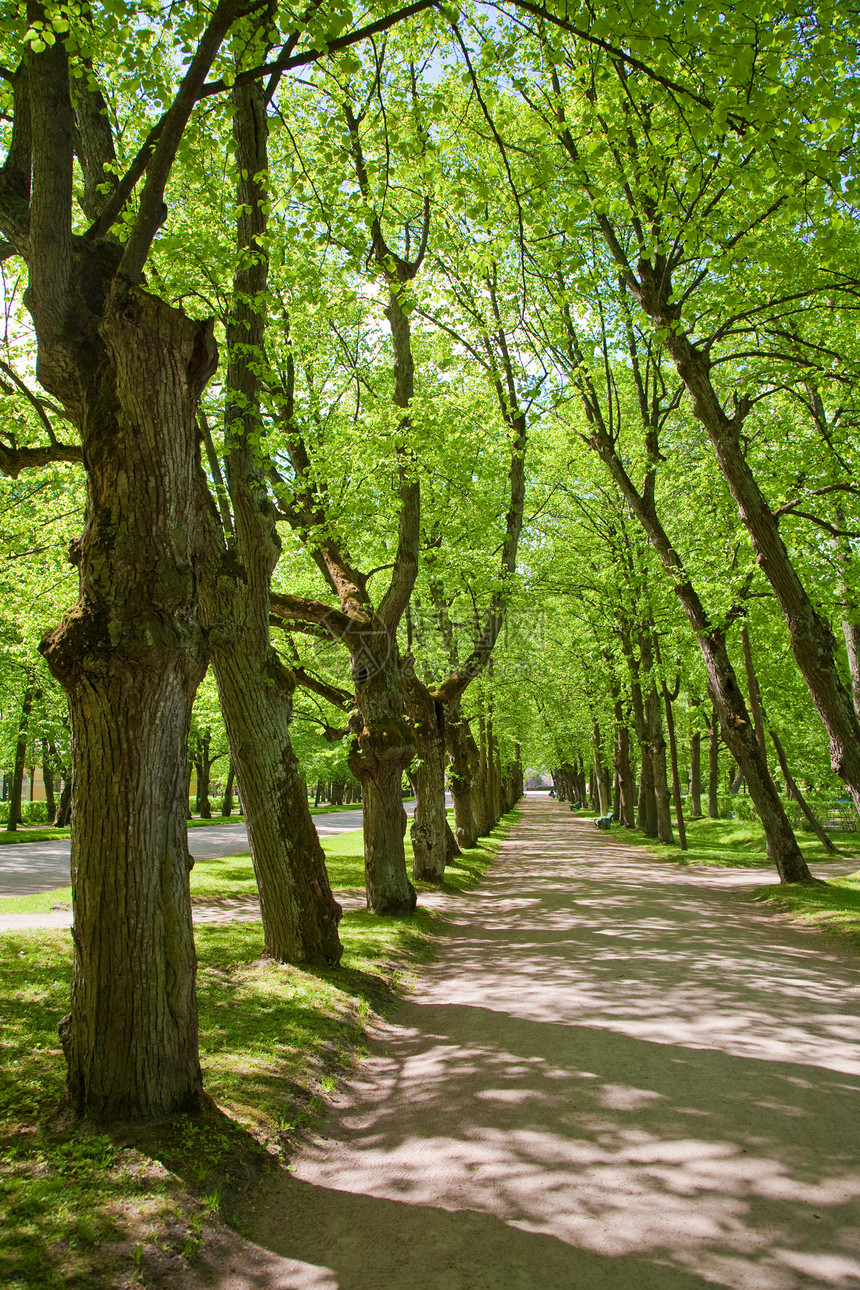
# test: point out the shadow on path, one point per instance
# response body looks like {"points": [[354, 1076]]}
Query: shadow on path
{"points": [[614, 1074]]}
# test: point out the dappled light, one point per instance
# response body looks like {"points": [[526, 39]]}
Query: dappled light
{"points": [[615, 1073]]}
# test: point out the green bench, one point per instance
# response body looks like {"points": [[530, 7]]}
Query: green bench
{"points": [[603, 821]]}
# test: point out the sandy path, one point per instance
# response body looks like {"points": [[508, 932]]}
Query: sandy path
{"points": [[616, 1073]]}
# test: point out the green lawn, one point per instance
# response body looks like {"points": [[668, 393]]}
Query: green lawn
{"points": [[31, 833], [233, 876], [834, 907], [42, 833], [734, 843], [89, 1209]]}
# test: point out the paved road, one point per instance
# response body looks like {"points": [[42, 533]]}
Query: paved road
{"points": [[30, 867], [615, 1074]]}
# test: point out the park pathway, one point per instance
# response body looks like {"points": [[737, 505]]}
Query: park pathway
{"points": [[615, 1073]]}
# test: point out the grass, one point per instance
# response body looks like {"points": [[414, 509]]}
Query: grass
{"points": [[87, 1209], [232, 877], [834, 907], [43, 833], [31, 833], [734, 844], [195, 822]]}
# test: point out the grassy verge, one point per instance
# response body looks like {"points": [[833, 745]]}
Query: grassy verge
{"points": [[195, 822], [232, 877], [832, 908], [88, 1209], [31, 833], [734, 844]]}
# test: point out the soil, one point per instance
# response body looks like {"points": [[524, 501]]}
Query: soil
{"points": [[615, 1073]]}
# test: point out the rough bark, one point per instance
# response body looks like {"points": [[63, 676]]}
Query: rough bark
{"points": [[382, 748], [646, 806], [463, 771], [753, 691], [128, 371], [429, 828], [481, 791], [130, 656], [299, 912], [851, 632]]}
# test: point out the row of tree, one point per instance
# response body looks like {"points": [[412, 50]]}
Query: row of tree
{"points": [[526, 316]]}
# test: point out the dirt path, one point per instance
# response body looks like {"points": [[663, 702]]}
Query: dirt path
{"points": [[616, 1073]]}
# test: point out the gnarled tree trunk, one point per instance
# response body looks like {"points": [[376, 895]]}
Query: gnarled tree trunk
{"points": [[382, 748], [429, 824], [130, 656], [299, 912], [463, 771]]}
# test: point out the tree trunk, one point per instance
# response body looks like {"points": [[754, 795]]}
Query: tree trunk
{"points": [[227, 803], [203, 766], [851, 632], [48, 763], [657, 748], [382, 748], [64, 810], [799, 798], [299, 912], [695, 776], [723, 687], [753, 691], [626, 782], [482, 795], [130, 656], [491, 777], [17, 785], [758, 714], [656, 745], [714, 767], [429, 823], [499, 801], [673, 760], [812, 641], [389, 891], [646, 808], [604, 801], [463, 772]]}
